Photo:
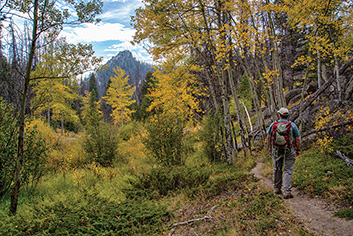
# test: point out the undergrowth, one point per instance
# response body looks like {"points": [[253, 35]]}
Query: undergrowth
{"points": [[327, 175], [88, 215], [140, 197], [236, 204]]}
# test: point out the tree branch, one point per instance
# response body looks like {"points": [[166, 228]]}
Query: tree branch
{"points": [[193, 220]]}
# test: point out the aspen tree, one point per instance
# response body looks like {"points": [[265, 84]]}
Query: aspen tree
{"points": [[119, 97], [55, 17], [328, 27], [175, 87]]}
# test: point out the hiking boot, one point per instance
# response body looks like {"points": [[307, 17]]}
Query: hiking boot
{"points": [[287, 195], [277, 191]]}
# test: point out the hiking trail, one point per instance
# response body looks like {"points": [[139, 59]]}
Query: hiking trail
{"points": [[314, 213]]}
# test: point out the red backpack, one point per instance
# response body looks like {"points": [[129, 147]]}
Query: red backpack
{"points": [[281, 132]]}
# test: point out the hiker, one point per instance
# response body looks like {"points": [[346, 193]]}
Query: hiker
{"points": [[283, 141]]}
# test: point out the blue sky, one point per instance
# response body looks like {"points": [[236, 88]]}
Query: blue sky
{"points": [[113, 34]]}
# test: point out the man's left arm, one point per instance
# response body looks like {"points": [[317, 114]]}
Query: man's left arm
{"points": [[297, 146], [296, 135]]}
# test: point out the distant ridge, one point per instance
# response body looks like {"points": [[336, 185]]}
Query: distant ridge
{"points": [[136, 70]]}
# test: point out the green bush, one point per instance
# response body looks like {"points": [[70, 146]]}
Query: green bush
{"points": [[344, 145], [220, 183], [89, 215], [161, 181], [128, 130], [210, 137], [261, 211], [8, 145], [324, 176], [34, 160], [101, 143], [345, 213], [164, 139]]}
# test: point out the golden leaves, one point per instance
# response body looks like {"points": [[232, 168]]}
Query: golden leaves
{"points": [[119, 96], [176, 88]]}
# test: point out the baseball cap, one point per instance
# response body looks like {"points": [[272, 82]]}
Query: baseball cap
{"points": [[283, 111]]}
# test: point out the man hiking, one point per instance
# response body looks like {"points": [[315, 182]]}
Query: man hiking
{"points": [[283, 142]]}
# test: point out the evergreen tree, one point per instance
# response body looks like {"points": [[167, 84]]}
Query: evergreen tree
{"points": [[141, 111], [101, 141], [93, 86]]}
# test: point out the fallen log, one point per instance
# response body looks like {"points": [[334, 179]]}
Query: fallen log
{"points": [[341, 155], [308, 102], [326, 128]]}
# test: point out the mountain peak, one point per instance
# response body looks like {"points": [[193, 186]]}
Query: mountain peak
{"points": [[123, 54], [125, 60]]}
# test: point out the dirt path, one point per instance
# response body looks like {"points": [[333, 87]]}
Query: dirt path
{"points": [[315, 213]]}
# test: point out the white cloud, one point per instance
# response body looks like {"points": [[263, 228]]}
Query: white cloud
{"points": [[120, 47], [142, 57], [123, 11], [116, 14], [98, 33], [114, 1], [134, 1]]}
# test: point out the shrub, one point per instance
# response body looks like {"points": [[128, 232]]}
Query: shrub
{"points": [[8, 145], [34, 160], [101, 143], [89, 215], [210, 138], [327, 177], [344, 144], [161, 181], [164, 139], [128, 130], [345, 213], [220, 183]]}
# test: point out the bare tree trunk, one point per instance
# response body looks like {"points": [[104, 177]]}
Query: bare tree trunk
{"points": [[237, 107], [213, 91], [337, 73], [227, 120], [21, 119], [254, 96], [318, 68], [51, 90], [270, 91], [247, 114], [281, 101], [302, 98]]}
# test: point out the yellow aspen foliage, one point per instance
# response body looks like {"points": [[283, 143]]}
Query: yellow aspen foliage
{"points": [[54, 80], [57, 97], [175, 89], [87, 105], [328, 24], [119, 96]]}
